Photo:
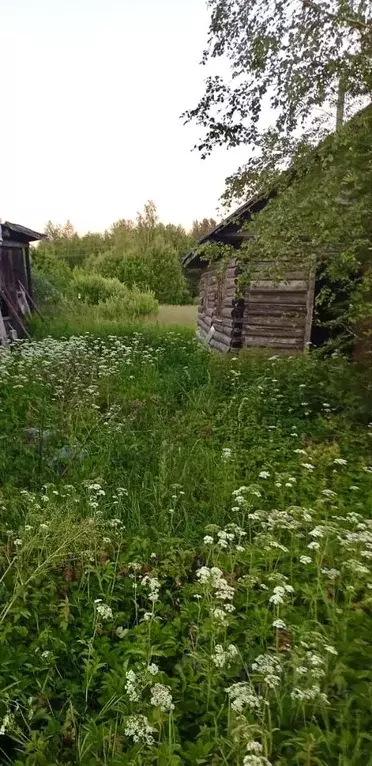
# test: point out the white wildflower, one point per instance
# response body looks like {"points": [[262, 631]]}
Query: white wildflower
{"points": [[308, 466], [279, 624], [222, 657], [104, 611], [161, 697], [300, 451], [314, 546], [226, 453], [138, 727], [208, 540], [121, 632], [340, 461], [305, 559], [18, 542], [330, 649], [153, 669], [331, 573], [7, 723], [242, 695], [133, 686], [154, 587], [221, 617], [264, 475]]}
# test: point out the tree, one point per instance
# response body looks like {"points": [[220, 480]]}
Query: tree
{"points": [[201, 228], [296, 56]]}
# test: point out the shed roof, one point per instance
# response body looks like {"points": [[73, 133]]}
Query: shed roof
{"points": [[18, 233], [228, 231]]}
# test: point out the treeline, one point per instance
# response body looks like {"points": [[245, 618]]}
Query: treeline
{"points": [[144, 254]]}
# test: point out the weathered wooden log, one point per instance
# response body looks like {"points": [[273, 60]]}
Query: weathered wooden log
{"points": [[279, 320], [218, 346], [272, 310], [272, 332], [221, 338], [288, 342], [294, 285], [297, 299]]}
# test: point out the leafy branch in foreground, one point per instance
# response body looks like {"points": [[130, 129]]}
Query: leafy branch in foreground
{"points": [[296, 56]]}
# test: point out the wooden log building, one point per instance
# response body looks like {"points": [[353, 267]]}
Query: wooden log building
{"points": [[269, 314], [16, 294]]}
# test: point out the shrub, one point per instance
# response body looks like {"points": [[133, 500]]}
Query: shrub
{"points": [[128, 303], [93, 288]]}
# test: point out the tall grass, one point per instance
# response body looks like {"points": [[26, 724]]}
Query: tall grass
{"points": [[185, 554]]}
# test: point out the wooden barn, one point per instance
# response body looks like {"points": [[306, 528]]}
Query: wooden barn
{"points": [[16, 294], [270, 313]]}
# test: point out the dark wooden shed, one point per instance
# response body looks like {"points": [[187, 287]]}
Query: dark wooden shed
{"points": [[16, 294], [270, 313]]}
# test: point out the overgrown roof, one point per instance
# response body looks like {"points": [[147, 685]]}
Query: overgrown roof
{"points": [[229, 230]]}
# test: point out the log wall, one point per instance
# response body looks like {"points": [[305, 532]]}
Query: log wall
{"points": [[220, 313], [278, 314], [272, 314]]}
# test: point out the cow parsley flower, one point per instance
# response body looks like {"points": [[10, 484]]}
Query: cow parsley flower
{"points": [[305, 559], [340, 461], [264, 475], [279, 624], [208, 540], [154, 587], [133, 686], [138, 727], [161, 697], [242, 695], [222, 657], [104, 611], [308, 466]]}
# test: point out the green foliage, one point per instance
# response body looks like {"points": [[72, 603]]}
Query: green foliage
{"points": [[144, 253], [275, 58], [92, 288], [129, 467], [321, 216]]}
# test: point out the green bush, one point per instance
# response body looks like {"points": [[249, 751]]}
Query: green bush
{"points": [[93, 288], [128, 303]]}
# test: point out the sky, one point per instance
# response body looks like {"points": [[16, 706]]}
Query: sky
{"points": [[92, 92]]}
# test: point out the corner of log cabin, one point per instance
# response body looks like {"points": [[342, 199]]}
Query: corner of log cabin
{"points": [[220, 312]]}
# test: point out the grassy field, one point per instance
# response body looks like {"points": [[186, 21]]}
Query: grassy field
{"points": [[184, 316], [185, 555]]}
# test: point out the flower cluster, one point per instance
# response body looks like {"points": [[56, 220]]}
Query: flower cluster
{"points": [[242, 695], [268, 667], [138, 727], [161, 697], [224, 657]]}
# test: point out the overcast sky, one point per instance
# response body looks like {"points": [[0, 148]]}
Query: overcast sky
{"points": [[92, 91]]}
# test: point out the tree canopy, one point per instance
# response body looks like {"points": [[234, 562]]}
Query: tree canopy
{"points": [[298, 57]]}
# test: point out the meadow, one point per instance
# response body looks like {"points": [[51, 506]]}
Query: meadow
{"points": [[185, 554]]}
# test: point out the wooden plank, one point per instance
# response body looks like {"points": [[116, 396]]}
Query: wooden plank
{"points": [[221, 338], [3, 333], [284, 299], [293, 285], [287, 342], [218, 346], [272, 310], [309, 310], [271, 332], [14, 313], [267, 320]]}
